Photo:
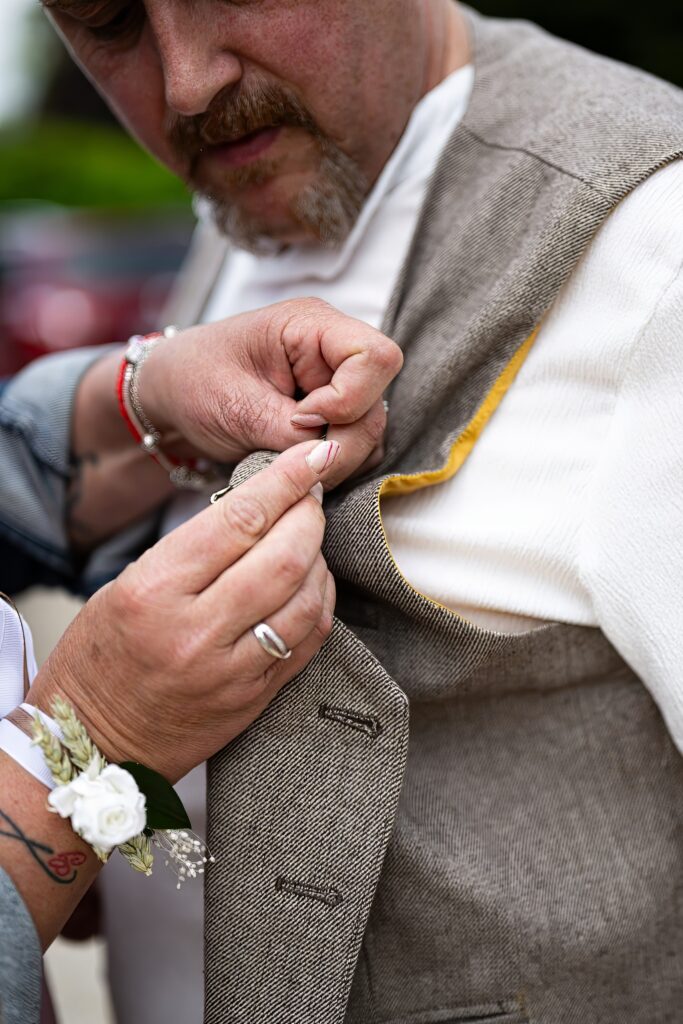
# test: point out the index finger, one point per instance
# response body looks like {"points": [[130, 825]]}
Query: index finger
{"points": [[191, 557], [363, 362]]}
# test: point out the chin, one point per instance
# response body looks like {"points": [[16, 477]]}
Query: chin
{"points": [[257, 234], [270, 211]]}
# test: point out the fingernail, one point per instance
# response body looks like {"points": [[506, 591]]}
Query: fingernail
{"points": [[308, 419], [317, 492], [322, 456]]}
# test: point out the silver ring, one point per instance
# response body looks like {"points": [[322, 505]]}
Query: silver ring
{"points": [[271, 642]]}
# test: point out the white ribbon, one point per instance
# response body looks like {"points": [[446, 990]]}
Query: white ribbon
{"points": [[13, 741]]}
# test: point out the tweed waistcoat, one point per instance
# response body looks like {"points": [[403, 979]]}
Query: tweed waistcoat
{"points": [[520, 858]]}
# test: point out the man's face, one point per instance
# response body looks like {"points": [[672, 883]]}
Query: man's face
{"points": [[281, 112]]}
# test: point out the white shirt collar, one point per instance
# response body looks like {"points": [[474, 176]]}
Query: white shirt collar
{"points": [[429, 128]]}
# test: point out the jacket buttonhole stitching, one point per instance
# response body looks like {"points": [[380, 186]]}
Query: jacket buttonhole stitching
{"points": [[326, 894], [352, 719]]}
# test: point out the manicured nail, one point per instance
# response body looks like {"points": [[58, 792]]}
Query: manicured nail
{"points": [[308, 419], [322, 456], [317, 492]]}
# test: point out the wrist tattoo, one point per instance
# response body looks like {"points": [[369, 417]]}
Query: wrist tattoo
{"points": [[60, 867]]}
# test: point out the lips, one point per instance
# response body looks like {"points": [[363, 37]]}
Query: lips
{"points": [[244, 150]]}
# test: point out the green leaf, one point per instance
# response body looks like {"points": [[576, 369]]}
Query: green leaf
{"points": [[164, 806]]}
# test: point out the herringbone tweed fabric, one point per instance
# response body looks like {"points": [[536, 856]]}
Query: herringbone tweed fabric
{"points": [[533, 871]]}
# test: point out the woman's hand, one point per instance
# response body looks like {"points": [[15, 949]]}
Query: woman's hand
{"points": [[162, 665]]}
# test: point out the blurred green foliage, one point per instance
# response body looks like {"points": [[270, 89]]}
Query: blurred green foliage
{"points": [[82, 164]]}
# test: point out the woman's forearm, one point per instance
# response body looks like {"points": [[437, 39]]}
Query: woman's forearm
{"points": [[49, 864]]}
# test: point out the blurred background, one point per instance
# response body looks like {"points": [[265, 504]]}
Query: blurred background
{"points": [[92, 232]]}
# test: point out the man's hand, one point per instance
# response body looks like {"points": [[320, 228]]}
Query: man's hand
{"points": [[231, 387]]}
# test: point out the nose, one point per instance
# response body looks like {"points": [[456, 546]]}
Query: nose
{"points": [[196, 66]]}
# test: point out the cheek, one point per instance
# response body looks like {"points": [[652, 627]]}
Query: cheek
{"points": [[138, 102], [313, 46], [131, 83], [352, 65]]}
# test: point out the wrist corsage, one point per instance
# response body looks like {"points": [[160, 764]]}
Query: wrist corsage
{"points": [[116, 806]]}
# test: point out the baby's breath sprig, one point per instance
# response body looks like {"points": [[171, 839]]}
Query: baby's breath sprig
{"points": [[82, 749], [138, 853], [56, 757], [187, 853]]}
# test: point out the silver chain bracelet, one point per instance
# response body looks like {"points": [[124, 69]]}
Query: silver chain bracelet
{"points": [[200, 476]]}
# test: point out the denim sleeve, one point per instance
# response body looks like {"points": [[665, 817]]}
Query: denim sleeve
{"points": [[35, 427], [20, 959]]}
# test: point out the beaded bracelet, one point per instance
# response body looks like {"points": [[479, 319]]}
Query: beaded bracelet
{"points": [[195, 475]]}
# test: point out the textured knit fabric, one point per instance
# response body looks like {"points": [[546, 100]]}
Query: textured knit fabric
{"points": [[534, 870], [20, 959]]}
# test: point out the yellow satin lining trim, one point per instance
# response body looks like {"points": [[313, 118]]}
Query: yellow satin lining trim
{"points": [[405, 484]]}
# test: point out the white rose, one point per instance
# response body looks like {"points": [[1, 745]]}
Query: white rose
{"points": [[62, 800], [106, 810]]}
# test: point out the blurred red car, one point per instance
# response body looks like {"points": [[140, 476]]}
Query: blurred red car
{"points": [[74, 278]]}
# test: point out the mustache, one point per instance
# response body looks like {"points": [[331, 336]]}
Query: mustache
{"points": [[232, 115]]}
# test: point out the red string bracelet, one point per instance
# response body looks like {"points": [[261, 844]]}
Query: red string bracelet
{"points": [[188, 476]]}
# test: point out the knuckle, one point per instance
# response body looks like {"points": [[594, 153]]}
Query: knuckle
{"points": [[313, 306], [295, 315], [246, 516], [325, 624], [190, 650], [185, 651], [292, 566], [310, 606], [389, 356], [132, 593]]}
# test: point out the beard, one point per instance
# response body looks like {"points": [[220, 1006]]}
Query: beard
{"points": [[324, 210]]}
